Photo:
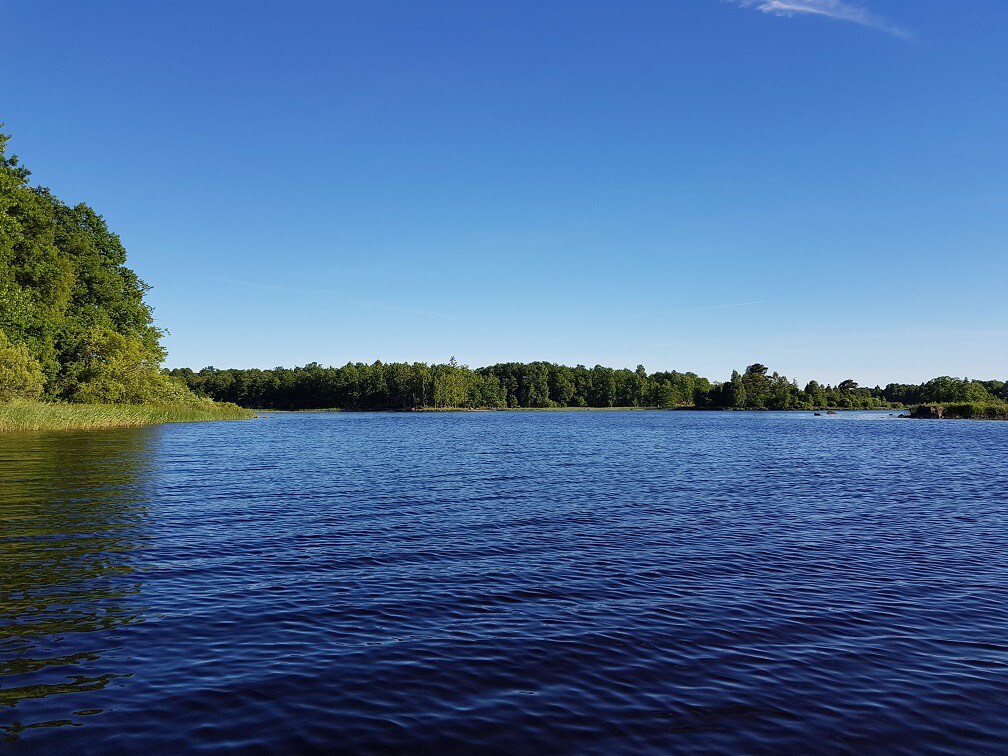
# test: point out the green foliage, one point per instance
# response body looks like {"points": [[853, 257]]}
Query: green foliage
{"points": [[68, 302], [20, 374], [397, 386], [947, 389], [735, 394], [404, 386]]}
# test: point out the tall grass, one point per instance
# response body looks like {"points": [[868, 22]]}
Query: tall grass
{"points": [[36, 416]]}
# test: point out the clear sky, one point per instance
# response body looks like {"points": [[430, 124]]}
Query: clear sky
{"points": [[818, 185]]}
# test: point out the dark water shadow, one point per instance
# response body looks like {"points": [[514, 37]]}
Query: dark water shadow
{"points": [[72, 520]]}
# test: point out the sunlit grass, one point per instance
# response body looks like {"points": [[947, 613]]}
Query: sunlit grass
{"points": [[35, 416]]}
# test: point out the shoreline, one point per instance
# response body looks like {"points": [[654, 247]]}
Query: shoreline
{"points": [[577, 409], [948, 411]]}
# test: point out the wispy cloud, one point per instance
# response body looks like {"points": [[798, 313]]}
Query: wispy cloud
{"points": [[719, 307], [842, 10]]}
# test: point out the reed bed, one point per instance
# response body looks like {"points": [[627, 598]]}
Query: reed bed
{"points": [[38, 416], [977, 410], [964, 410]]}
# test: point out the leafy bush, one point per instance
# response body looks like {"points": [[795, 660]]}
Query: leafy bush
{"points": [[21, 375]]}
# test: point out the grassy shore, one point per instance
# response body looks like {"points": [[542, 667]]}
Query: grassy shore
{"points": [[37, 416]]}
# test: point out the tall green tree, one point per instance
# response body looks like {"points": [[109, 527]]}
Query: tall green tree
{"points": [[69, 300]]}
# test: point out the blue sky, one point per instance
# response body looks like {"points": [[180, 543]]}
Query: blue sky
{"points": [[818, 185]]}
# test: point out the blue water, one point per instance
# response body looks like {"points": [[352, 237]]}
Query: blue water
{"points": [[532, 582]]}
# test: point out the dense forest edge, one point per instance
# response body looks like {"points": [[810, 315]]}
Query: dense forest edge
{"points": [[544, 385], [78, 344]]}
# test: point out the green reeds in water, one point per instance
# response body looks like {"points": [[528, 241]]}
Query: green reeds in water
{"points": [[963, 410], [38, 416], [977, 410]]}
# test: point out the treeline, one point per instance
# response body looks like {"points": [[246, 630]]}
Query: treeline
{"points": [[359, 386], [757, 389], [945, 389], [399, 386], [74, 325]]}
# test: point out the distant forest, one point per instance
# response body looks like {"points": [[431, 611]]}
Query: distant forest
{"points": [[400, 386]]}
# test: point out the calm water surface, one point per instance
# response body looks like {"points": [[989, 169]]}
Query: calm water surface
{"points": [[590, 582]]}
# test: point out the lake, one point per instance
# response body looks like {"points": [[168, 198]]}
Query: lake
{"points": [[502, 582]]}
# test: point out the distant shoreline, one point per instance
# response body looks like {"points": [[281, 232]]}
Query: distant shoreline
{"points": [[945, 411], [408, 410]]}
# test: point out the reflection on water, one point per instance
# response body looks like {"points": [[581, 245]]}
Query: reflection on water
{"points": [[71, 522]]}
